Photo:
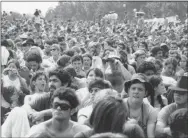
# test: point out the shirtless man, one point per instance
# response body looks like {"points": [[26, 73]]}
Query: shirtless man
{"points": [[63, 101]]}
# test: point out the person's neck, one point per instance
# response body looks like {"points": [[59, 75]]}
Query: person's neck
{"points": [[185, 105], [135, 105], [60, 125], [55, 57], [38, 91]]}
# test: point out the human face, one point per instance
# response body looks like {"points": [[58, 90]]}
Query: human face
{"points": [[93, 91], [33, 65], [169, 69], [91, 76], [40, 83], [61, 109], [86, 62], [141, 59], [77, 65], [180, 97], [54, 51], [183, 63], [54, 83], [47, 47], [160, 89], [174, 47], [159, 55], [137, 92]]}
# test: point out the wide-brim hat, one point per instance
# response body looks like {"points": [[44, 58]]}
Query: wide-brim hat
{"points": [[182, 84], [143, 79]]}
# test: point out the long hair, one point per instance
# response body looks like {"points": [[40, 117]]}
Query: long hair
{"points": [[109, 115], [155, 81]]}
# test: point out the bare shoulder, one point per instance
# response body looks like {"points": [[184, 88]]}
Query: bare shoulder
{"points": [[78, 127]]}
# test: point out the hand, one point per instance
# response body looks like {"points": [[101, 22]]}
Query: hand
{"points": [[37, 116]]}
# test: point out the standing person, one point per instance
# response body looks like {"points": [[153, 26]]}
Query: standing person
{"points": [[144, 113], [63, 101], [181, 101]]}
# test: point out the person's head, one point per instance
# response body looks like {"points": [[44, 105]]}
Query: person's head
{"points": [[109, 115], [140, 56], [47, 45], [173, 45], [33, 61], [143, 45], [147, 68], [38, 81], [138, 87], [69, 52], [179, 123], [55, 50], [157, 83], [181, 90], [58, 78], [133, 130], [13, 64], [158, 66], [109, 135], [94, 73], [77, 62], [87, 60], [64, 61], [63, 101], [97, 85], [157, 52], [183, 61], [170, 65]]}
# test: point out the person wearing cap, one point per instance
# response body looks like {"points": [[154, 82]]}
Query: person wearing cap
{"points": [[180, 94], [138, 88], [177, 119]]}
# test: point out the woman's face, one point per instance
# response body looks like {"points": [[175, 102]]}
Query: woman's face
{"points": [[91, 76], [137, 92], [160, 89], [169, 69], [40, 83]]}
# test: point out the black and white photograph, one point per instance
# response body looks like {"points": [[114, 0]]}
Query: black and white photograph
{"points": [[94, 69]]}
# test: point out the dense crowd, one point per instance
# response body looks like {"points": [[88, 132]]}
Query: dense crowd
{"points": [[93, 79]]}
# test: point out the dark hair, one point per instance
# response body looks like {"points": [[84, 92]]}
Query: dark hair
{"points": [[49, 42], [35, 76], [145, 66], [98, 72], [145, 44], [67, 94], [109, 115], [155, 50], [99, 83], [157, 61], [63, 75], [69, 52], [77, 58], [34, 57], [155, 80], [123, 58], [71, 71], [87, 55], [133, 130], [63, 60]]}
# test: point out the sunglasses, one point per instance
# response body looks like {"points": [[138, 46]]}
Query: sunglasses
{"points": [[64, 107]]}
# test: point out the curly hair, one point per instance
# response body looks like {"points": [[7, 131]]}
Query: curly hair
{"points": [[145, 66]]}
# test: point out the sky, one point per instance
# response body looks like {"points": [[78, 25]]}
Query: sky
{"points": [[27, 7]]}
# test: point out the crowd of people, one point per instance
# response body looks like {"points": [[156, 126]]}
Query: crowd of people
{"points": [[93, 79]]}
